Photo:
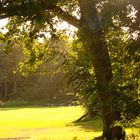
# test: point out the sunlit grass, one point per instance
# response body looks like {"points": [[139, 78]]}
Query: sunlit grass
{"points": [[44, 123], [48, 123]]}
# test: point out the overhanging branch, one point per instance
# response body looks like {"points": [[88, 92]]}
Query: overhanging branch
{"points": [[66, 16], [21, 10]]}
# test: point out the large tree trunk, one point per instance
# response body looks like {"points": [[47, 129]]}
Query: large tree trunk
{"points": [[93, 38], [103, 73]]}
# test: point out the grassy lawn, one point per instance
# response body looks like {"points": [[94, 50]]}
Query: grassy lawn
{"points": [[43, 123]]}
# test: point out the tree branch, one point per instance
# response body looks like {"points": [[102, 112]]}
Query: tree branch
{"points": [[22, 10], [66, 16]]}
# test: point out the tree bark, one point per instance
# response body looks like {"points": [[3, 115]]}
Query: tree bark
{"points": [[93, 38], [15, 87], [5, 86]]}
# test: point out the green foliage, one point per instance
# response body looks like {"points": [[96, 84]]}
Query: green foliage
{"points": [[124, 54], [125, 69], [29, 73], [78, 68]]}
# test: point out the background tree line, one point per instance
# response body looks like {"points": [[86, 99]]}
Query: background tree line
{"points": [[38, 82]]}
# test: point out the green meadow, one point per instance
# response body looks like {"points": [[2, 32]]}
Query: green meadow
{"points": [[50, 123]]}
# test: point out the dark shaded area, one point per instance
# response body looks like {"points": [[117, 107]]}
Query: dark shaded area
{"points": [[92, 125]]}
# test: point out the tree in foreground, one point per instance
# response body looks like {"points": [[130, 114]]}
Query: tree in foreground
{"points": [[97, 18], [80, 72]]}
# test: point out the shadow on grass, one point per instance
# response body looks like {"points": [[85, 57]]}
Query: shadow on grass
{"points": [[6, 108], [96, 124], [92, 125], [16, 138], [10, 108]]}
